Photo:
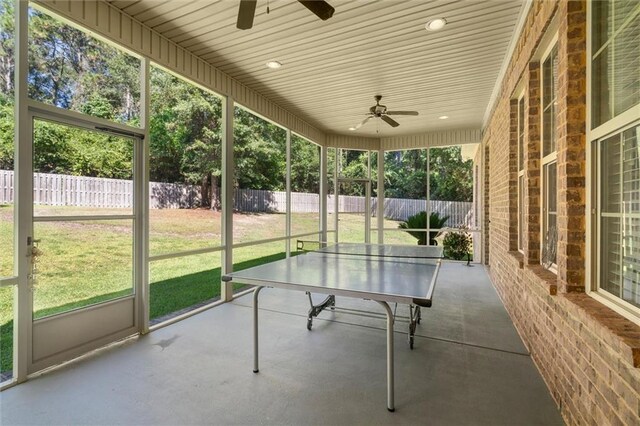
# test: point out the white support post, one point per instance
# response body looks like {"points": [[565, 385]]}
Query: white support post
{"points": [[380, 195], [336, 198], [288, 196], [141, 203], [428, 196], [226, 288], [367, 202], [323, 196], [367, 208], [23, 206]]}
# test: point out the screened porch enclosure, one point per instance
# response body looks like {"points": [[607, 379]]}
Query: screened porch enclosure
{"points": [[162, 164]]}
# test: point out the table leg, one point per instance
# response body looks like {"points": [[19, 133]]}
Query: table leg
{"points": [[390, 379], [255, 328]]}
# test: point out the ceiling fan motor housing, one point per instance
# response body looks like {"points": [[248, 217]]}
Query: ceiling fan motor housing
{"points": [[378, 109]]}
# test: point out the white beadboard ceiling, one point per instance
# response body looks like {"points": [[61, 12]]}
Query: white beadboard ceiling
{"points": [[332, 69]]}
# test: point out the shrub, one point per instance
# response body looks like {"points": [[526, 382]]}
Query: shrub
{"points": [[419, 221], [457, 244]]}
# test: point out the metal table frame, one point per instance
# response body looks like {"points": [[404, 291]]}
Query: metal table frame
{"points": [[382, 299]]}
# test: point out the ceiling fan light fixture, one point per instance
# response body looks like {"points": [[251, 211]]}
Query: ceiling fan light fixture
{"points": [[274, 65], [435, 24], [352, 128], [443, 117]]}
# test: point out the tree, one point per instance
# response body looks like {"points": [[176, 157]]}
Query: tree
{"points": [[450, 176]]}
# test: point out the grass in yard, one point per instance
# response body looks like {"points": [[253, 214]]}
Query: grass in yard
{"points": [[86, 262]]}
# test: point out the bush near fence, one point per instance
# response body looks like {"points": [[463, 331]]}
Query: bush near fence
{"points": [[65, 190]]}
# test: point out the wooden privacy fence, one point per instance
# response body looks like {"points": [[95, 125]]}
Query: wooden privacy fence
{"points": [[64, 190]]}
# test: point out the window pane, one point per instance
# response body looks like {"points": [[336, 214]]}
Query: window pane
{"points": [[549, 96], [626, 68], [620, 215], [182, 284], [80, 172], [631, 261], [260, 176], [520, 212], [70, 69], [521, 143], [81, 263], [610, 160], [6, 333], [610, 255], [7, 145], [552, 187], [185, 166], [305, 187], [616, 59], [631, 171], [550, 231]]}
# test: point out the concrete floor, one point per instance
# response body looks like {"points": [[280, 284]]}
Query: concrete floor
{"points": [[468, 367]]}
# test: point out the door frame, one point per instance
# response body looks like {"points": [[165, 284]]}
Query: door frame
{"points": [[106, 312]]}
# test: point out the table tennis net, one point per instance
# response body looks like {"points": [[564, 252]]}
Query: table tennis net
{"points": [[373, 250]]}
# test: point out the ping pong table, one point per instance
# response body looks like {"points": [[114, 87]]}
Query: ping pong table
{"points": [[382, 273]]}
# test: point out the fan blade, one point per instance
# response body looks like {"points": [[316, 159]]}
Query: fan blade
{"points": [[364, 122], [246, 12], [321, 9], [402, 112], [390, 121]]}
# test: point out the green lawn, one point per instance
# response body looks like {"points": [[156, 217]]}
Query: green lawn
{"points": [[87, 262]]}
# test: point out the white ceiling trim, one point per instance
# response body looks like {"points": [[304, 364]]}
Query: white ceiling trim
{"points": [[522, 19]]}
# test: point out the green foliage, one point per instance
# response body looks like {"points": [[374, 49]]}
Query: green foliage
{"points": [[457, 244], [450, 177], [305, 166], [419, 221], [6, 133]]}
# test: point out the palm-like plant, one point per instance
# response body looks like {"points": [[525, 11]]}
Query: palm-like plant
{"points": [[419, 221]]}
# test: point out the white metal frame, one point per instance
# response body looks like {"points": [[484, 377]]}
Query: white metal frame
{"points": [[521, 167], [624, 120]]}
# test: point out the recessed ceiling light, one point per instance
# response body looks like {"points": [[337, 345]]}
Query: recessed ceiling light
{"points": [[435, 24], [352, 128], [274, 64], [443, 117]]}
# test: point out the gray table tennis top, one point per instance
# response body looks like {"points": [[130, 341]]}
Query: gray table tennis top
{"points": [[390, 273]]}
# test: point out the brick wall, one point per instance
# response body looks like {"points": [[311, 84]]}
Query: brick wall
{"points": [[588, 354]]}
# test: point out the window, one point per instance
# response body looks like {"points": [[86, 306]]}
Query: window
{"points": [[615, 152], [549, 157], [619, 214], [521, 173], [614, 59]]}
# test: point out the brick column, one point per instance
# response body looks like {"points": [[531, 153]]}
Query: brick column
{"points": [[513, 175], [571, 116], [532, 166]]}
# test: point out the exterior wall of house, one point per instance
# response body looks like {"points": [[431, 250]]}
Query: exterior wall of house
{"points": [[588, 354]]}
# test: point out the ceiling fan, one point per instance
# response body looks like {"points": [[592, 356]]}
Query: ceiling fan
{"points": [[247, 11], [380, 111]]}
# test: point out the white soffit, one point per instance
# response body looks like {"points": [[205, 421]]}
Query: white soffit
{"points": [[332, 69]]}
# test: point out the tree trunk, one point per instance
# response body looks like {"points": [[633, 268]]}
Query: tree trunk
{"points": [[215, 193], [204, 191]]}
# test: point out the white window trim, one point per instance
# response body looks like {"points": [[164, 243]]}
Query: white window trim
{"points": [[549, 158], [592, 251], [520, 188]]}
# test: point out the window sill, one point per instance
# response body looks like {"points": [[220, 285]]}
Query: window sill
{"points": [[618, 332], [546, 278], [518, 257]]}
